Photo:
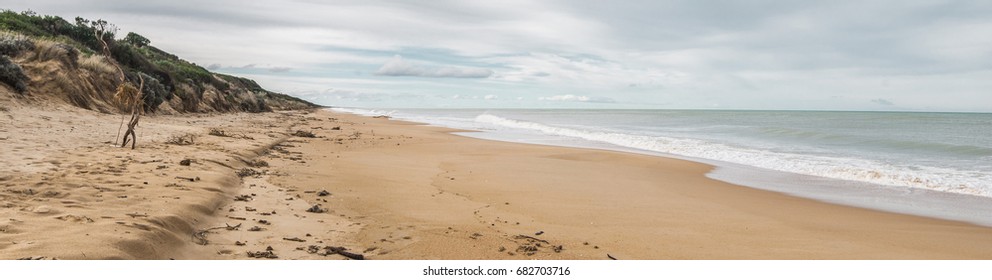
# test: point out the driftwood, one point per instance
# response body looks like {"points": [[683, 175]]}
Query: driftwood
{"points": [[343, 251], [611, 257], [188, 178], [521, 236], [200, 236]]}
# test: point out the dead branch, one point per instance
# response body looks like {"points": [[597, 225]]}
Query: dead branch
{"points": [[188, 179], [200, 237], [343, 251], [521, 236]]}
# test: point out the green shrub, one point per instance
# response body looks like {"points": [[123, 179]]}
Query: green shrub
{"points": [[154, 93], [21, 23], [136, 40], [14, 44], [12, 74]]}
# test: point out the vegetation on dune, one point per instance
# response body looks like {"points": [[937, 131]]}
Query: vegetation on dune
{"points": [[92, 46], [10, 73]]}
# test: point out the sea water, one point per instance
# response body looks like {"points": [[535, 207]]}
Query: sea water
{"points": [[931, 164]]}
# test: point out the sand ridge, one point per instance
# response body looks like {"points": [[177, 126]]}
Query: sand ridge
{"points": [[68, 193]]}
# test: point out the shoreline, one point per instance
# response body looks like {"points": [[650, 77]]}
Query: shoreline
{"points": [[437, 189], [390, 189], [911, 200]]}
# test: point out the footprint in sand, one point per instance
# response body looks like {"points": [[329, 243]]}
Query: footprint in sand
{"points": [[43, 210]]}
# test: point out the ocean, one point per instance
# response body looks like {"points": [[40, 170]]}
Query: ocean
{"points": [[921, 163]]}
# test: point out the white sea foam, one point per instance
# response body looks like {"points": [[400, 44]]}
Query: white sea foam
{"points": [[845, 168]]}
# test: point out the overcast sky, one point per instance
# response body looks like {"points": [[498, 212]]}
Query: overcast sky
{"points": [[832, 55]]}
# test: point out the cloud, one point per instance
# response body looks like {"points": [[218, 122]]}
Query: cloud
{"points": [[252, 66], [332, 94], [752, 54], [577, 98], [882, 102], [491, 97], [400, 67]]}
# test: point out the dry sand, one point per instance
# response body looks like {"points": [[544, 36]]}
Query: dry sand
{"points": [[397, 190]]}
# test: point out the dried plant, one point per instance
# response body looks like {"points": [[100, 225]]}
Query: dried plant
{"points": [[127, 95], [96, 64], [218, 132], [181, 139]]}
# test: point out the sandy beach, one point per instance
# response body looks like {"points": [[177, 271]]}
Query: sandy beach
{"points": [[249, 186]]}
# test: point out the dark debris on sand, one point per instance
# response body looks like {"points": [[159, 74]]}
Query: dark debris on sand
{"points": [[267, 254], [316, 209], [305, 134]]}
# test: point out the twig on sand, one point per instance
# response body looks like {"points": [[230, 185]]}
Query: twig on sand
{"points": [[200, 237], [188, 179], [521, 236]]}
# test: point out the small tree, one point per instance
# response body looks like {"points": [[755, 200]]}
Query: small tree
{"points": [[136, 40]]}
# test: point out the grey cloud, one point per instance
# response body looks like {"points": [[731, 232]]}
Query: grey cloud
{"points": [[773, 45], [881, 37], [400, 67], [882, 102], [341, 94], [214, 66], [254, 66], [578, 98]]}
